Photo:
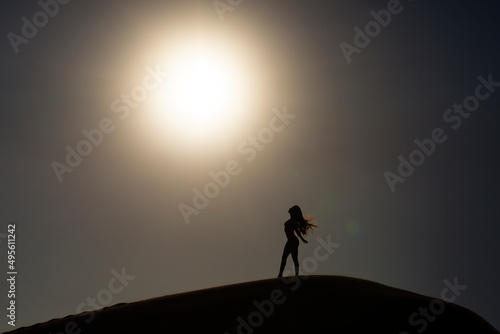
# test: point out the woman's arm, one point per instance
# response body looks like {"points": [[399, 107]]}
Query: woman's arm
{"points": [[300, 236]]}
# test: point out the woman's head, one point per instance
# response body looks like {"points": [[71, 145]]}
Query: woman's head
{"points": [[304, 225], [295, 212]]}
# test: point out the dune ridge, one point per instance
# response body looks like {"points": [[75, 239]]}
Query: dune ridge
{"points": [[297, 304]]}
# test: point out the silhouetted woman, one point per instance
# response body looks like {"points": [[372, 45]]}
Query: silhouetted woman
{"points": [[299, 226]]}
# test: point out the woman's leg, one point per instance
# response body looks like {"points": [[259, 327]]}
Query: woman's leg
{"points": [[295, 257], [286, 251]]}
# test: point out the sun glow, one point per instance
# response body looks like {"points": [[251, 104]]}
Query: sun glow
{"points": [[205, 93]]}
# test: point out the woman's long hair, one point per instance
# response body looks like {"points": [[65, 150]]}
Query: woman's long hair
{"points": [[303, 224]]}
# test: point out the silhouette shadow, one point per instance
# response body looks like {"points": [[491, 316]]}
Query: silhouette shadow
{"points": [[299, 226]]}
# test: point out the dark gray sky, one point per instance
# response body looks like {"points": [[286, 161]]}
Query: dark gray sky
{"points": [[119, 208]]}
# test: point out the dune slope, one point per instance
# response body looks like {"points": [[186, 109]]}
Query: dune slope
{"points": [[305, 304]]}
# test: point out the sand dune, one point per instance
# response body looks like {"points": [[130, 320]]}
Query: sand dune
{"points": [[305, 304]]}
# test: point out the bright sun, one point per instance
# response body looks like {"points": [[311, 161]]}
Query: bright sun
{"points": [[204, 93]]}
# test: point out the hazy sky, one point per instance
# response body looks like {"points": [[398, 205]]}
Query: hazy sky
{"points": [[325, 114]]}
